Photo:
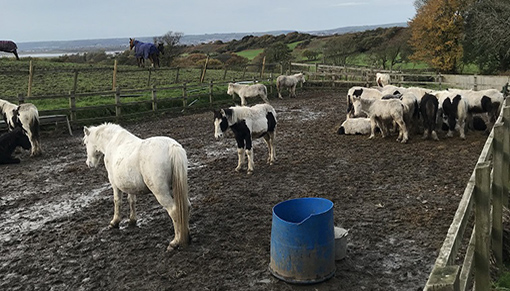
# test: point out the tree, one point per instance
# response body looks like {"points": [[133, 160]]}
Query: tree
{"points": [[487, 41], [171, 50], [436, 34], [311, 55], [393, 43], [338, 49], [277, 52]]}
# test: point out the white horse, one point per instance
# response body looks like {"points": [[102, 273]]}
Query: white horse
{"points": [[358, 125], [248, 91], [247, 123], [140, 166], [25, 115], [382, 79], [289, 82], [382, 112]]}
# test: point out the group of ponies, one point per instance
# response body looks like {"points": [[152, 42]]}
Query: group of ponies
{"points": [[22, 123], [412, 109], [159, 164]]}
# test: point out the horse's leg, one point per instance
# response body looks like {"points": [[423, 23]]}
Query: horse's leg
{"points": [[251, 164], [279, 88], [249, 154], [117, 202], [240, 159], [403, 130], [264, 98], [269, 139], [293, 90], [15, 52], [132, 209], [372, 128], [243, 100]]}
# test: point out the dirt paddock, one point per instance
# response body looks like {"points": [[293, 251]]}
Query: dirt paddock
{"points": [[396, 200]]}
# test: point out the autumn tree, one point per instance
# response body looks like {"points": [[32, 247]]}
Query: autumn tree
{"points": [[436, 34], [393, 43], [487, 41]]}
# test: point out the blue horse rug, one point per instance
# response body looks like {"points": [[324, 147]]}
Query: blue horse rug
{"points": [[144, 50]]}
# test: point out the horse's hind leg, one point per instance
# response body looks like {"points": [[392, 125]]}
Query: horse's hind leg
{"points": [[269, 139], [117, 202], [132, 209]]}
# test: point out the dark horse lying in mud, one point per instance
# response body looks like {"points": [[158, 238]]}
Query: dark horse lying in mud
{"points": [[8, 143]]}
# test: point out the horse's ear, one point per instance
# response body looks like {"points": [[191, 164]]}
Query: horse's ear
{"points": [[86, 130], [222, 112]]}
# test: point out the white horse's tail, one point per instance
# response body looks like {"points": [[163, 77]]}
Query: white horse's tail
{"points": [[180, 192]]}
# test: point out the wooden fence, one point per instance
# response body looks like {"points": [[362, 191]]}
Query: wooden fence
{"points": [[335, 76], [484, 198]]}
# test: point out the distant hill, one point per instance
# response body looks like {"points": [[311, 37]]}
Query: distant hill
{"points": [[120, 44]]}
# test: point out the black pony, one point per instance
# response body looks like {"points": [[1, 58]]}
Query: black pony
{"points": [[9, 46], [9, 142]]}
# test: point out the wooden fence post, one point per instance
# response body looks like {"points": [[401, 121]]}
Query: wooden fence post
{"points": [[497, 194], [117, 102], [154, 99], [72, 105], [263, 67], [114, 81], [177, 76], [202, 77], [211, 87], [225, 74], [506, 156], [30, 78], [482, 225], [475, 83], [75, 81], [184, 96]]}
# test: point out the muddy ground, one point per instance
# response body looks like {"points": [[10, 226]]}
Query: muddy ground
{"points": [[396, 200]]}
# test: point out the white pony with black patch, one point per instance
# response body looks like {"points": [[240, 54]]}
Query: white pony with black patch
{"points": [[156, 165], [25, 115], [454, 108], [382, 112], [248, 91], [289, 82], [248, 123], [359, 125]]}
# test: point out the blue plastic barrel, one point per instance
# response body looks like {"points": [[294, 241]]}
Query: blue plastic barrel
{"points": [[303, 241]]}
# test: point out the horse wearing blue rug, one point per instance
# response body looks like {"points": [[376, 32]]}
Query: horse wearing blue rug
{"points": [[247, 123], [145, 51], [9, 142], [9, 46]]}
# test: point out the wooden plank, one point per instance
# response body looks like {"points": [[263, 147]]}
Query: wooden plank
{"points": [[482, 226]]}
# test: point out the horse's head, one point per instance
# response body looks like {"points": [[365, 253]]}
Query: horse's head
{"points": [[230, 90], [131, 43], [161, 48], [89, 140], [356, 106], [301, 77], [220, 123]]}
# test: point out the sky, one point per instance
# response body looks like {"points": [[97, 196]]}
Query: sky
{"points": [[53, 20]]}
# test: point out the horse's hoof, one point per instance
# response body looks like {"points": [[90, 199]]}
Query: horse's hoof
{"points": [[249, 172], [112, 226], [132, 223]]}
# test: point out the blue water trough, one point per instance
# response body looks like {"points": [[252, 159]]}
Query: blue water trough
{"points": [[303, 241]]}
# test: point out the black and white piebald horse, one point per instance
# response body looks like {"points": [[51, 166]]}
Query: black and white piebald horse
{"points": [[248, 123], [9, 46], [8, 143], [25, 115], [454, 108]]}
